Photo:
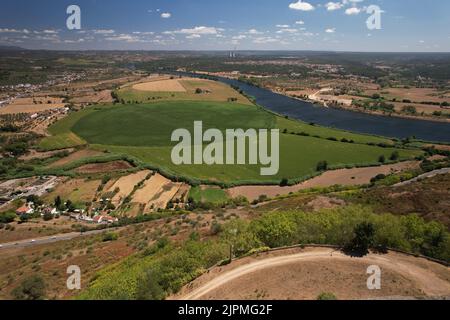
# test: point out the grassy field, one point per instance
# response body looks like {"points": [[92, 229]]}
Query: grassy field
{"points": [[143, 131], [323, 132], [208, 195]]}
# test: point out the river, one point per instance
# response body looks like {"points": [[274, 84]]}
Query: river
{"points": [[359, 122]]}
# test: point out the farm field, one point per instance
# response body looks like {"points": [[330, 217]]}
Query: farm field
{"points": [[180, 89], [115, 129], [32, 105], [156, 193], [79, 191], [126, 184], [208, 195]]}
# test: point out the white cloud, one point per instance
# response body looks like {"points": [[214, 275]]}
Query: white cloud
{"points": [[254, 31], [50, 31], [166, 15], [301, 6], [331, 6], [300, 22], [287, 30], [282, 26], [193, 36], [352, 11], [104, 31], [264, 40], [330, 30], [196, 30], [6, 30], [124, 37]]}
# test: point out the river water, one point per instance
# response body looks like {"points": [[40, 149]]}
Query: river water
{"points": [[386, 126]]}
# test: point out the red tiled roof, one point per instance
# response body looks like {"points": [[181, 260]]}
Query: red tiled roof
{"points": [[23, 209]]}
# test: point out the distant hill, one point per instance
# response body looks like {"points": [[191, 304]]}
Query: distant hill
{"points": [[11, 48]]}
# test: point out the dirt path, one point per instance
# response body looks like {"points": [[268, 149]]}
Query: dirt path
{"points": [[402, 275]]}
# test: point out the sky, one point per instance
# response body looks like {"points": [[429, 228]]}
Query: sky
{"points": [[339, 25]]}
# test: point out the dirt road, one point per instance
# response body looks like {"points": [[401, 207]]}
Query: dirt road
{"points": [[421, 277]]}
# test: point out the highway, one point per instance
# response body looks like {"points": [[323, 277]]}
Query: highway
{"points": [[47, 240]]}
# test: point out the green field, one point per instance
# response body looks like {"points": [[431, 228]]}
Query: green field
{"points": [[144, 132], [208, 195]]}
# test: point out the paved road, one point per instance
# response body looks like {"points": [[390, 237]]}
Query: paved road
{"points": [[47, 240]]}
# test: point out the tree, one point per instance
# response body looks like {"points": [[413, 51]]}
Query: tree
{"points": [[70, 206], [17, 149], [322, 166], [35, 199], [395, 156], [32, 288], [382, 159], [363, 239], [58, 203], [284, 182], [198, 91], [275, 230]]}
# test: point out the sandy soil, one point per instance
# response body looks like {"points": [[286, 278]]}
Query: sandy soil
{"points": [[32, 108], [169, 85], [157, 191], [298, 274], [126, 185], [85, 153], [104, 167], [439, 147], [345, 177], [103, 96], [28, 105]]}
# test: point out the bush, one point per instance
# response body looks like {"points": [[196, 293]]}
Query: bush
{"points": [[322, 166], [7, 217], [32, 288], [110, 236], [47, 216], [326, 296], [395, 156]]}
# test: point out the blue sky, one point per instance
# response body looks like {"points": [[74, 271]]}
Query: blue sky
{"points": [[406, 25]]}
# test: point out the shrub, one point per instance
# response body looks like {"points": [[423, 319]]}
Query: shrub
{"points": [[284, 182], [110, 236], [32, 288], [48, 216], [322, 166], [395, 156], [7, 217], [326, 296]]}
